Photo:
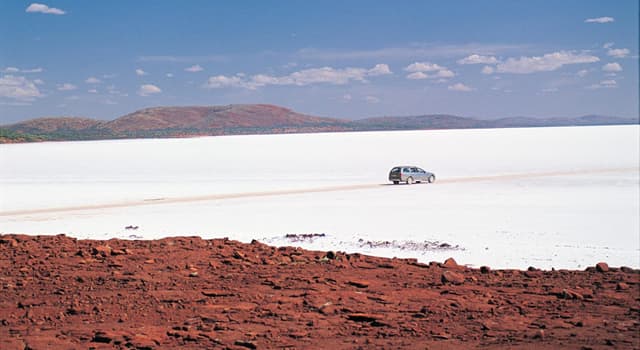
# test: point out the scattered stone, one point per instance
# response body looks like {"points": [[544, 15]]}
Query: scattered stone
{"points": [[141, 342], [103, 250], [246, 344], [362, 317], [9, 241], [452, 277], [602, 267], [627, 269], [359, 284], [217, 293], [450, 263], [49, 300], [622, 286], [107, 337], [118, 252], [570, 294]]}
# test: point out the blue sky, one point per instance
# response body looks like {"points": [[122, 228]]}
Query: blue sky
{"points": [[345, 59]]}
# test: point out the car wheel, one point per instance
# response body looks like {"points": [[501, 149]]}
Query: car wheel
{"points": [[409, 180], [432, 178], [396, 182]]}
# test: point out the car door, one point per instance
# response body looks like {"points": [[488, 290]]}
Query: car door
{"points": [[422, 175]]}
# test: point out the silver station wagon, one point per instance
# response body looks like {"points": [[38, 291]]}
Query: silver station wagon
{"points": [[410, 174]]}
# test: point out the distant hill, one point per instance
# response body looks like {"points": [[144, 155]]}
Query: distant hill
{"points": [[254, 119]]}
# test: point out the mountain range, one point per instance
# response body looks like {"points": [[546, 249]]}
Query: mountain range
{"points": [[247, 119]]}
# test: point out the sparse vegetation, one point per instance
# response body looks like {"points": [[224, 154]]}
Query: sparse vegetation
{"points": [[170, 122]]}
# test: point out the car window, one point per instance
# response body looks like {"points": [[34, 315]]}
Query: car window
{"points": [[395, 170], [421, 170], [406, 170], [415, 170]]}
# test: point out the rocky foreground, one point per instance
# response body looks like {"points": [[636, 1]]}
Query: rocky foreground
{"points": [[61, 293]]}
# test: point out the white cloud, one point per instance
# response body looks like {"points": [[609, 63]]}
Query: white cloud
{"points": [[183, 59], [419, 50], [545, 63], [66, 87], [620, 53], [347, 97], [148, 89], [19, 88], [608, 45], [34, 70], [35, 7], [169, 75], [612, 67], [459, 87], [92, 91], [38, 82], [379, 69], [418, 70], [549, 90], [478, 59], [582, 73], [371, 99], [93, 80], [220, 81], [423, 67], [324, 75], [15, 104], [487, 70], [599, 20], [140, 72], [605, 84], [193, 69], [445, 73], [17, 70], [417, 75]]}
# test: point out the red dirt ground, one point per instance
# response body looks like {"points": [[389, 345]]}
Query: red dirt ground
{"points": [[61, 293]]}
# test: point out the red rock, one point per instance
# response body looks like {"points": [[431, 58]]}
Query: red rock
{"points": [[217, 293], [363, 317], [358, 283], [118, 252], [452, 277], [141, 342], [103, 250], [570, 294], [450, 263], [9, 242], [246, 344], [602, 267], [56, 302], [622, 286]]}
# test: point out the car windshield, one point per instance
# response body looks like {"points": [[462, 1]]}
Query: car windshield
{"points": [[395, 170]]}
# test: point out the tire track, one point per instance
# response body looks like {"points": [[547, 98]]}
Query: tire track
{"points": [[285, 192]]}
